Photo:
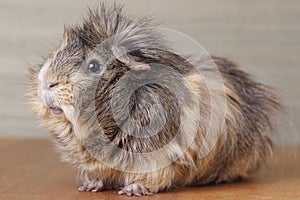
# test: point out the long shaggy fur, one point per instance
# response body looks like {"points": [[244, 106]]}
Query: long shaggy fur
{"points": [[84, 133]]}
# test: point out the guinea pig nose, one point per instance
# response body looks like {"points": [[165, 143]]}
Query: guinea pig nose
{"points": [[51, 86]]}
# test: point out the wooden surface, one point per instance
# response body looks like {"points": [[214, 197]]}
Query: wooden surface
{"points": [[264, 35], [30, 169]]}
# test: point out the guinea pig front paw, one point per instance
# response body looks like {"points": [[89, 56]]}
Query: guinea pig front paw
{"points": [[95, 185], [136, 189]]}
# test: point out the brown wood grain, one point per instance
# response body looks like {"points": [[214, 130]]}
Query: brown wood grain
{"points": [[30, 169]]}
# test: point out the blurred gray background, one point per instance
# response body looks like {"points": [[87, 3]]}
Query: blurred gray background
{"points": [[261, 34]]}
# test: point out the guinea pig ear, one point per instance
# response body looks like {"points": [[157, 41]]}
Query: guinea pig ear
{"points": [[71, 36], [120, 53]]}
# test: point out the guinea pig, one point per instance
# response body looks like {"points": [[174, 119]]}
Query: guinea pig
{"points": [[130, 114]]}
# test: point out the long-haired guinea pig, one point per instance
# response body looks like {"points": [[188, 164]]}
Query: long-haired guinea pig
{"points": [[131, 114]]}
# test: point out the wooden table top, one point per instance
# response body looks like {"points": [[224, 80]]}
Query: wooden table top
{"points": [[30, 169]]}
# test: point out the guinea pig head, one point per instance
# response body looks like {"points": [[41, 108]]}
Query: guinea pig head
{"points": [[77, 79], [56, 77], [102, 72]]}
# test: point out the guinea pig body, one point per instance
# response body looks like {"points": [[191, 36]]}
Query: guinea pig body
{"points": [[130, 122]]}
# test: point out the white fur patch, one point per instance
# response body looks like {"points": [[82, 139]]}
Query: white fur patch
{"points": [[44, 70]]}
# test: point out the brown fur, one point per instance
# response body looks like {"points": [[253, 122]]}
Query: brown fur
{"points": [[242, 146]]}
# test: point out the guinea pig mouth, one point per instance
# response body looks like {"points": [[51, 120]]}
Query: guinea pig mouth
{"points": [[56, 111], [50, 104]]}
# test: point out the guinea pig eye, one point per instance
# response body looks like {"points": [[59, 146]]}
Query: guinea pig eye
{"points": [[94, 66]]}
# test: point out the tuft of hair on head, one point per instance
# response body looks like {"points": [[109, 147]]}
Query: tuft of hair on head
{"points": [[110, 22]]}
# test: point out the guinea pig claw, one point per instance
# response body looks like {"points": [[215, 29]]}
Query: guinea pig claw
{"points": [[81, 188], [97, 189], [95, 186], [135, 189]]}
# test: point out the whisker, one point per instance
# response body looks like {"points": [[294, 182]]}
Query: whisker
{"points": [[47, 46], [22, 56], [53, 45], [23, 84]]}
